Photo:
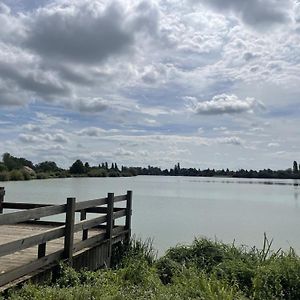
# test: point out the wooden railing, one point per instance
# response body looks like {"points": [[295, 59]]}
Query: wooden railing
{"points": [[31, 214]]}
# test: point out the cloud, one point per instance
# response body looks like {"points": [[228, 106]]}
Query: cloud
{"points": [[58, 137], [88, 105], [81, 32], [88, 31], [123, 152], [28, 139], [256, 13], [233, 140], [92, 132], [32, 127], [221, 104]]}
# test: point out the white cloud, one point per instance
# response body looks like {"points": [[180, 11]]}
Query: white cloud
{"points": [[221, 104]]}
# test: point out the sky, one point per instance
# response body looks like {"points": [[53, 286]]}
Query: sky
{"points": [[207, 83]]}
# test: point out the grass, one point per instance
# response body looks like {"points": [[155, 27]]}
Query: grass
{"points": [[205, 269]]}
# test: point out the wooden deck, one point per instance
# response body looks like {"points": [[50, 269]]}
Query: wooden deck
{"points": [[9, 233], [31, 246]]}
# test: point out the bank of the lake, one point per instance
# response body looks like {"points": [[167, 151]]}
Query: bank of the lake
{"points": [[204, 270]]}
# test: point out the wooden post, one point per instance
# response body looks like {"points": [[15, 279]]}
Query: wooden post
{"points": [[42, 250], [128, 215], [110, 222], [69, 232], [85, 231], [2, 193]]}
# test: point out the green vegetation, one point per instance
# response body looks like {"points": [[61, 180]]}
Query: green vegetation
{"points": [[205, 270], [14, 168]]}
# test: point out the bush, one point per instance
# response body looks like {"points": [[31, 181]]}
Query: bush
{"points": [[16, 175], [278, 278], [4, 176], [42, 176], [97, 173]]}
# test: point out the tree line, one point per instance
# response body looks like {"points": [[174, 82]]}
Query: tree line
{"points": [[19, 168]]}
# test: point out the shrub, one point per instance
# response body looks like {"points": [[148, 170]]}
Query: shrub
{"points": [[16, 175], [42, 176], [4, 176]]}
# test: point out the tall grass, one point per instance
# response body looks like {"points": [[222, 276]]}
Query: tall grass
{"points": [[205, 269]]}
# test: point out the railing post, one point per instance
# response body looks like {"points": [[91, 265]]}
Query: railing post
{"points": [[128, 215], [110, 224], [82, 218], [69, 231], [2, 193]]}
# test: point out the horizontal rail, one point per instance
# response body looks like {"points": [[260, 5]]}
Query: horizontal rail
{"points": [[35, 213], [119, 214], [31, 241], [120, 198], [21, 205], [90, 242], [87, 224], [30, 267], [90, 203]]}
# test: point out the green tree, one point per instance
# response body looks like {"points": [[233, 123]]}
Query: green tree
{"points": [[77, 167], [295, 167], [47, 166]]}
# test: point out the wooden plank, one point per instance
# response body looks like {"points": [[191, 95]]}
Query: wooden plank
{"points": [[119, 229], [90, 203], [2, 193], [120, 198], [43, 223], [120, 214], [21, 205], [86, 224], [35, 213], [30, 267], [69, 231], [90, 242], [30, 241]]}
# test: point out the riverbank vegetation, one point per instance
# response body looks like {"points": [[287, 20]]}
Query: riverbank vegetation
{"points": [[15, 168], [207, 270]]}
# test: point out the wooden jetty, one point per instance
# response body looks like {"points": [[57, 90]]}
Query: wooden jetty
{"points": [[31, 247]]}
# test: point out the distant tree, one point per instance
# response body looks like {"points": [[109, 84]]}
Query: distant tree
{"points": [[14, 163], [77, 167], [295, 167], [47, 166], [87, 166]]}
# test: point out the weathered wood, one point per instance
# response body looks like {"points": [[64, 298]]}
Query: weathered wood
{"points": [[30, 267], [35, 213], [90, 203], [85, 232], [110, 224], [120, 198], [64, 241], [30, 241], [2, 193], [69, 232], [21, 205], [41, 250], [87, 224], [128, 215], [119, 214], [90, 242]]}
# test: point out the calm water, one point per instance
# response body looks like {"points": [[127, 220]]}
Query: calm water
{"points": [[174, 210]]}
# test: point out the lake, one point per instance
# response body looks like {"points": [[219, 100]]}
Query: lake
{"points": [[174, 210]]}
